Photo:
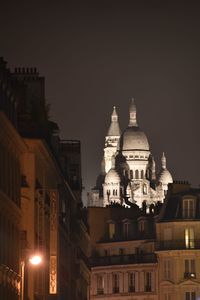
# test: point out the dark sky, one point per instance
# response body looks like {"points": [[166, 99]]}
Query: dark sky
{"points": [[98, 54]]}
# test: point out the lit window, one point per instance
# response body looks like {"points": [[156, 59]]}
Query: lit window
{"points": [[188, 208], [115, 283], [190, 296], [190, 268], [111, 230], [167, 269], [131, 282], [100, 284], [189, 238]]}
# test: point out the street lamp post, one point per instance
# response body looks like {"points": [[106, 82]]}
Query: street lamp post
{"points": [[33, 260]]}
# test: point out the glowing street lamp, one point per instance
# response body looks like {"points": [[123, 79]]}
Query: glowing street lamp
{"points": [[33, 260]]}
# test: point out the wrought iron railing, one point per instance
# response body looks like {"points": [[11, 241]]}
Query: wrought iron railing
{"points": [[123, 259], [178, 245]]}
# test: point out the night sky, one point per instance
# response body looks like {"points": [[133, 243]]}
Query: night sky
{"points": [[98, 54]]}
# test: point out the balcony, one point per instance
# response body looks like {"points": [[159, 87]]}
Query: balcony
{"points": [[131, 289], [123, 259], [148, 288], [100, 291], [115, 290], [178, 245]]}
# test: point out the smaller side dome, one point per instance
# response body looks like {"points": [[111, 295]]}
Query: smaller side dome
{"points": [[112, 176], [165, 177]]}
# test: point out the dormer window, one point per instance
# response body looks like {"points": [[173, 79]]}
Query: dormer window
{"points": [[126, 230], [188, 208], [142, 225], [111, 230]]}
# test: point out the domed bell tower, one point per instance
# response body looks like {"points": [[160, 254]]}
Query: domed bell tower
{"points": [[111, 140]]}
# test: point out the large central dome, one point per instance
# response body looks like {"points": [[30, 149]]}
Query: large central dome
{"points": [[133, 139]]}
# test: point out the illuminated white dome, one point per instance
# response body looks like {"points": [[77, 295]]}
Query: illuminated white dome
{"points": [[133, 139], [112, 176], [165, 177]]}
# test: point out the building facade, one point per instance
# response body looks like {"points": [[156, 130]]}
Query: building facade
{"points": [[41, 206], [128, 167], [140, 254]]}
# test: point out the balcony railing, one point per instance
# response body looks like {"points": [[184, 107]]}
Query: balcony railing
{"points": [[178, 245], [123, 259], [100, 291], [115, 290], [131, 288], [148, 288]]}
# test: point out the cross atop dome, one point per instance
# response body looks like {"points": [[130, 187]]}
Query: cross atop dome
{"points": [[132, 112], [163, 161]]}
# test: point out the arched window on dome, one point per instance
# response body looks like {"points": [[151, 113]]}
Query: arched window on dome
{"points": [[114, 192], [142, 174], [131, 174], [145, 189], [136, 174]]}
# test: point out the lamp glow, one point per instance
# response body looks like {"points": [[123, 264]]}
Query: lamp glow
{"points": [[35, 260]]}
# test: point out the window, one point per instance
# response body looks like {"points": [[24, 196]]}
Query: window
{"points": [[115, 283], [142, 174], [131, 282], [106, 252], [142, 226], [167, 296], [111, 227], [188, 208], [126, 230], [136, 174], [189, 238], [148, 287], [190, 296], [131, 174], [121, 251], [100, 284], [190, 268], [145, 189], [167, 269]]}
